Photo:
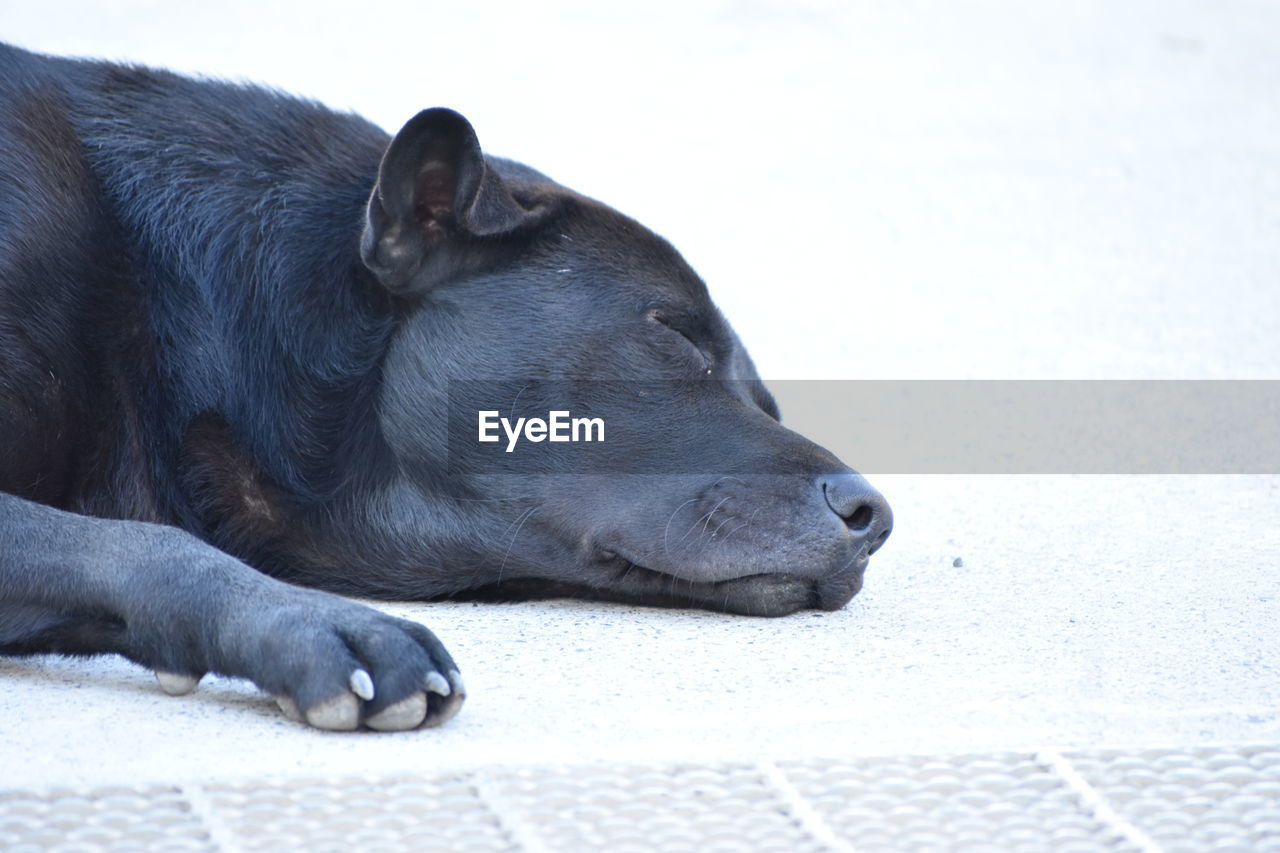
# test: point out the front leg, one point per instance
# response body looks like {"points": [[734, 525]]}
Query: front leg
{"points": [[71, 584]]}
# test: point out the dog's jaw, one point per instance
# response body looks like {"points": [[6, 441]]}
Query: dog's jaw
{"points": [[763, 594]]}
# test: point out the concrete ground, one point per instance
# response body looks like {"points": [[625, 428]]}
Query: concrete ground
{"points": [[984, 189]]}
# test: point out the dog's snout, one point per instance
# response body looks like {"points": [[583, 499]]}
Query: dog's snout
{"points": [[865, 511]]}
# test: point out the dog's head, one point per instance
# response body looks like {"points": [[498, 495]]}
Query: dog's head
{"points": [[520, 298]]}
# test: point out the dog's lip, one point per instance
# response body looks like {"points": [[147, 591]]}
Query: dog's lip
{"points": [[612, 556], [858, 565], [609, 555], [830, 592]]}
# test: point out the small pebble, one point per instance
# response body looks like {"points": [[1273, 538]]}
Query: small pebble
{"points": [[958, 563]]}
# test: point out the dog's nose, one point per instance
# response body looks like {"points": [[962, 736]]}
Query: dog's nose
{"points": [[864, 510]]}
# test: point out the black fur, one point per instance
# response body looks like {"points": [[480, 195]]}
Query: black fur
{"points": [[230, 323]]}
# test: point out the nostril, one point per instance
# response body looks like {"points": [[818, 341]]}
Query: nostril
{"points": [[875, 546], [864, 510], [861, 518]]}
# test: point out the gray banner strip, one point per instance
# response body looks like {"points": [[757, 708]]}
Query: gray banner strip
{"points": [[1041, 427]]}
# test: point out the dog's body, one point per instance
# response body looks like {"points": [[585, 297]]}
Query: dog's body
{"points": [[229, 320]]}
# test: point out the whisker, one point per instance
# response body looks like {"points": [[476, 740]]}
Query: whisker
{"points": [[704, 520], [731, 532], [720, 526], [517, 399], [525, 516], [666, 533], [713, 512], [487, 500]]}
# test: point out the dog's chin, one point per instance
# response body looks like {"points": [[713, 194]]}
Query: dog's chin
{"points": [[782, 594], [762, 594], [767, 595], [612, 578], [835, 593]]}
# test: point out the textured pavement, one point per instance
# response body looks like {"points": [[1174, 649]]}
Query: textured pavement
{"points": [[1136, 800], [1084, 190]]}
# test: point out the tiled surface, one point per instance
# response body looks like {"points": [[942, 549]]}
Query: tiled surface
{"points": [[1005, 802], [398, 813], [1193, 799], [1200, 799], [690, 808], [1082, 189], [117, 819]]}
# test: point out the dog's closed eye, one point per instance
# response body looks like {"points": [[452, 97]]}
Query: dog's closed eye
{"points": [[674, 325]]}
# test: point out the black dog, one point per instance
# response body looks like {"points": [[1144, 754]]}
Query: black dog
{"points": [[234, 328]]}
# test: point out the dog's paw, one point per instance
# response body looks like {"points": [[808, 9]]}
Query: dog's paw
{"points": [[345, 712], [340, 666]]}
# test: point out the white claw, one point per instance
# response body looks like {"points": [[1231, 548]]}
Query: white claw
{"points": [[175, 684], [405, 714], [362, 684], [341, 713], [455, 678], [436, 683], [290, 709], [447, 711]]}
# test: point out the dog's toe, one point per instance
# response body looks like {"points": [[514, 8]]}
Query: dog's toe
{"points": [[444, 707], [175, 684], [340, 714], [405, 714], [290, 709]]}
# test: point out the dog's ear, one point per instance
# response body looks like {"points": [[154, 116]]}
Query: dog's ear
{"points": [[434, 195]]}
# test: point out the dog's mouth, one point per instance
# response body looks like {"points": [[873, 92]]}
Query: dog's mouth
{"points": [[614, 578], [759, 594], [611, 576]]}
